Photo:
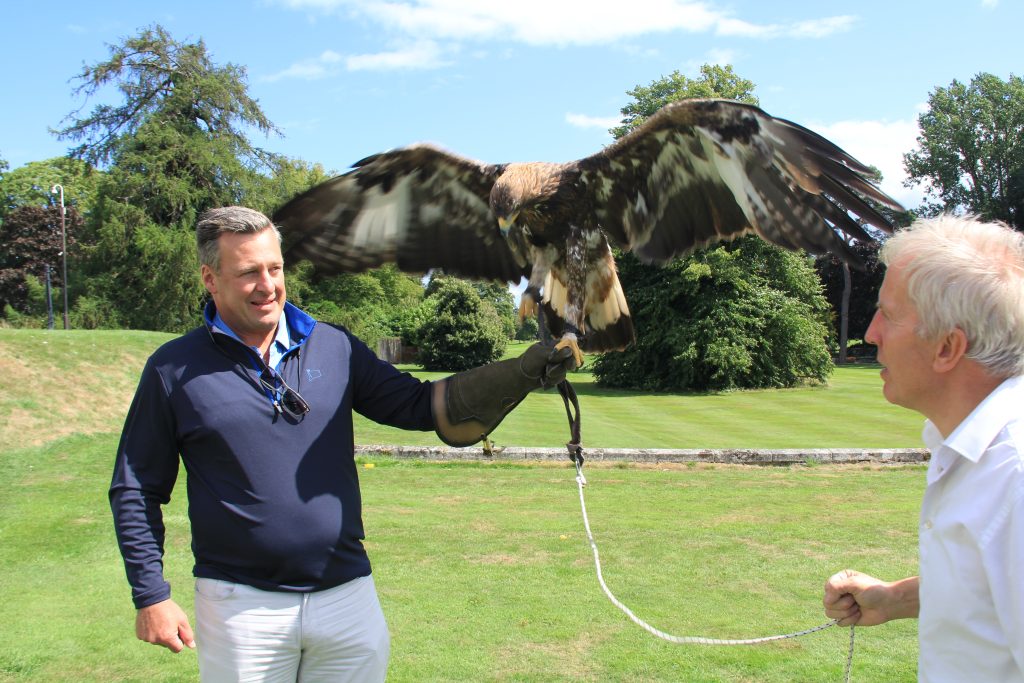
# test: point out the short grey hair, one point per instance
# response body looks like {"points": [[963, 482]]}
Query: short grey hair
{"points": [[964, 273], [215, 222]]}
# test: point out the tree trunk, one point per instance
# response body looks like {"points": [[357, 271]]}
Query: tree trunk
{"points": [[844, 314]]}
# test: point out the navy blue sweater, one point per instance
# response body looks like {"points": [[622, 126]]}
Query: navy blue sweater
{"points": [[273, 501]]}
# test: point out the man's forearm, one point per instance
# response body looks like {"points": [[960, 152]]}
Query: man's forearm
{"points": [[469, 404], [905, 598]]}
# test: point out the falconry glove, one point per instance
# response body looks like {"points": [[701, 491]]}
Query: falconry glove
{"points": [[470, 404]]}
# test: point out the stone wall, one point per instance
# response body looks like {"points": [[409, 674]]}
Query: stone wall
{"points": [[782, 456]]}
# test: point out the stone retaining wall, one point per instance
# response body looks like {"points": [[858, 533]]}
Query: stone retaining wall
{"points": [[740, 456]]}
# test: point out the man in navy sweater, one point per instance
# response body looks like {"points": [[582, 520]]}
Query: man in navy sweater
{"points": [[258, 403]]}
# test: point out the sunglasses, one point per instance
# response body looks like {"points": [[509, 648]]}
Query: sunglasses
{"points": [[286, 399]]}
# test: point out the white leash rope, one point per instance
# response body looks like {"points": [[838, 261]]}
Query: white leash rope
{"points": [[688, 640]]}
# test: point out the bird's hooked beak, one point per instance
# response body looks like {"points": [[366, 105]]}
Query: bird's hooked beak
{"points": [[505, 223]]}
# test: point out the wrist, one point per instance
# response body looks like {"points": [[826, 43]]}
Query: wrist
{"points": [[904, 598]]}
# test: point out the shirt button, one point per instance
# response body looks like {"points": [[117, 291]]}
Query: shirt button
{"points": [[928, 524]]}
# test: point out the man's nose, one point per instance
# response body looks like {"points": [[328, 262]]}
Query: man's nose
{"points": [[266, 281], [871, 335]]}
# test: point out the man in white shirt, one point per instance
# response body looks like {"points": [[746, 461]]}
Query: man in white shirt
{"points": [[950, 335]]}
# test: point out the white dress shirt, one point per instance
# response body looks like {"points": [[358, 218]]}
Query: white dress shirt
{"points": [[971, 542]]}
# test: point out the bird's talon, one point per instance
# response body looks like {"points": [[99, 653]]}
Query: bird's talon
{"points": [[574, 347]]}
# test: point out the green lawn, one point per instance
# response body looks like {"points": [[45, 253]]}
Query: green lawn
{"points": [[848, 412], [84, 380], [483, 568], [485, 573]]}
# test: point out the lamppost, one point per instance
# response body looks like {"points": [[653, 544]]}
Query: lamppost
{"points": [[63, 250]]}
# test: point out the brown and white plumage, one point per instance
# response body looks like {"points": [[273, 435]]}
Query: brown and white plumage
{"points": [[695, 173]]}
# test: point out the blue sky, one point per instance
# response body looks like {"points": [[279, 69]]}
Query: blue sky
{"points": [[521, 80]]}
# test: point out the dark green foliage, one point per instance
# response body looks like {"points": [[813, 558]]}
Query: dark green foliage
{"points": [[144, 273], [497, 294], [528, 330], [94, 313], [173, 84], [410, 321], [285, 178], [741, 316], [175, 146], [864, 287], [715, 81], [970, 153], [377, 303], [464, 332]]}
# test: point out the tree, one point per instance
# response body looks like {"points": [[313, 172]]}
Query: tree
{"points": [[464, 332], [173, 83], [528, 329], [863, 289], [971, 149], [744, 315], [715, 81], [30, 240], [285, 179], [175, 146], [377, 303], [740, 315], [30, 185], [497, 294]]}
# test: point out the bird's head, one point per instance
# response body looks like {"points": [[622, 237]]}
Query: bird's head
{"points": [[505, 205], [520, 195]]}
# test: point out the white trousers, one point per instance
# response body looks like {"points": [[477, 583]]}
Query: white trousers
{"points": [[245, 634]]}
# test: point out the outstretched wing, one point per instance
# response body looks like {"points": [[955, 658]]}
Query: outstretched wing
{"points": [[701, 171], [419, 207]]}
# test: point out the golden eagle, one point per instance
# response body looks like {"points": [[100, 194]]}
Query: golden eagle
{"points": [[696, 172]]}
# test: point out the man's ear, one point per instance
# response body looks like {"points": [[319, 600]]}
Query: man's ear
{"points": [[951, 348], [207, 275]]}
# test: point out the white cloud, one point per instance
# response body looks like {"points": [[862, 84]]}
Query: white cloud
{"points": [[563, 22], [309, 69], [422, 55], [811, 28], [586, 121], [820, 28], [989, 4], [881, 144], [720, 56]]}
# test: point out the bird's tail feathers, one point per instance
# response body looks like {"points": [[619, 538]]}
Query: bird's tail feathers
{"points": [[607, 324]]}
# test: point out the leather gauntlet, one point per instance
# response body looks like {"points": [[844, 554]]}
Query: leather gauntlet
{"points": [[469, 405]]}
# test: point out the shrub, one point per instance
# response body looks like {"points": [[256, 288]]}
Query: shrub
{"points": [[746, 315], [464, 331]]}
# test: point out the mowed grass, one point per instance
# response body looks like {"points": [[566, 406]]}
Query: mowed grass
{"points": [[484, 570], [83, 381], [848, 412], [485, 573]]}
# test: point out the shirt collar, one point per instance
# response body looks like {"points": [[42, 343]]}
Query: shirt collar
{"points": [[282, 337], [975, 434]]}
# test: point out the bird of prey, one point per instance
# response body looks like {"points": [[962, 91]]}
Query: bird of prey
{"points": [[695, 173]]}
